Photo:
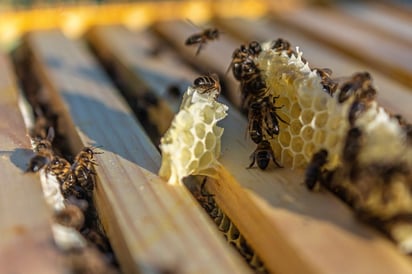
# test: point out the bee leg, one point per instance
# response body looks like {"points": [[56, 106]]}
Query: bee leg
{"points": [[272, 154], [199, 48], [253, 158]]}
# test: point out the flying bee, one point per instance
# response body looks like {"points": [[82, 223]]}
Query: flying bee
{"points": [[329, 85], [202, 38], [208, 84], [262, 155], [313, 172], [255, 122]]}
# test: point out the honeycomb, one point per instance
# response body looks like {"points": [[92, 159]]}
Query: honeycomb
{"points": [[191, 146], [230, 231], [314, 119], [367, 150]]}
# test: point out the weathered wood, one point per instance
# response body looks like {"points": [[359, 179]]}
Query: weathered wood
{"points": [[292, 230], [148, 222], [391, 94], [354, 39], [26, 242], [381, 19]]}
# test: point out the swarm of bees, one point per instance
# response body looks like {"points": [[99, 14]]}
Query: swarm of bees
{"points": [[76, 179], [257, 100]]}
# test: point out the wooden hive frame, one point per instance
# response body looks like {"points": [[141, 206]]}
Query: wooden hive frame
{"points": [[288, 227]]}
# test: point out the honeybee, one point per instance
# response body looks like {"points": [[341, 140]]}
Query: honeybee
{"points": [[44, 152], [357, 107], [313, 171], [242, 59], [208, 84], [360, 85], [70, 216], [272, 118], [253, 90], [44, 144], [255, 122], [255, 48], [202, 38], [280, 44], [329, 85], [37, 162], [262, 155], [352, 145], [82, 167], [59, 167], [407, 127]]}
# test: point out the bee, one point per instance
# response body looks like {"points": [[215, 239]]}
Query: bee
{"points": [[202, 38], [255, 48], [58, 167], [272, 118], [253, 90], [255, 122], [78, 180], [360, 85], [313, 172], [407, 127], [44, 152], [37, 162], [352, 146], [357, 107], [44, 145], [70, 216], [242, 58], [328, 84], [262, 155], [238, 57], [280, 45], [207, 84]]}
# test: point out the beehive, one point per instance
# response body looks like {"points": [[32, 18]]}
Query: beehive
{"points": [[372, 172]]}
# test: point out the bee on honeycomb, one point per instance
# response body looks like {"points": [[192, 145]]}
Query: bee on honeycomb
{"points": [[191, 146], [339, 133]]}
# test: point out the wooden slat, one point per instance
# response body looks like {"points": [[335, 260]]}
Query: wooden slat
{"points": [[147, 221], [381, 19], [391, 94], [26, 241], [354, 39], [292, 230]]}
